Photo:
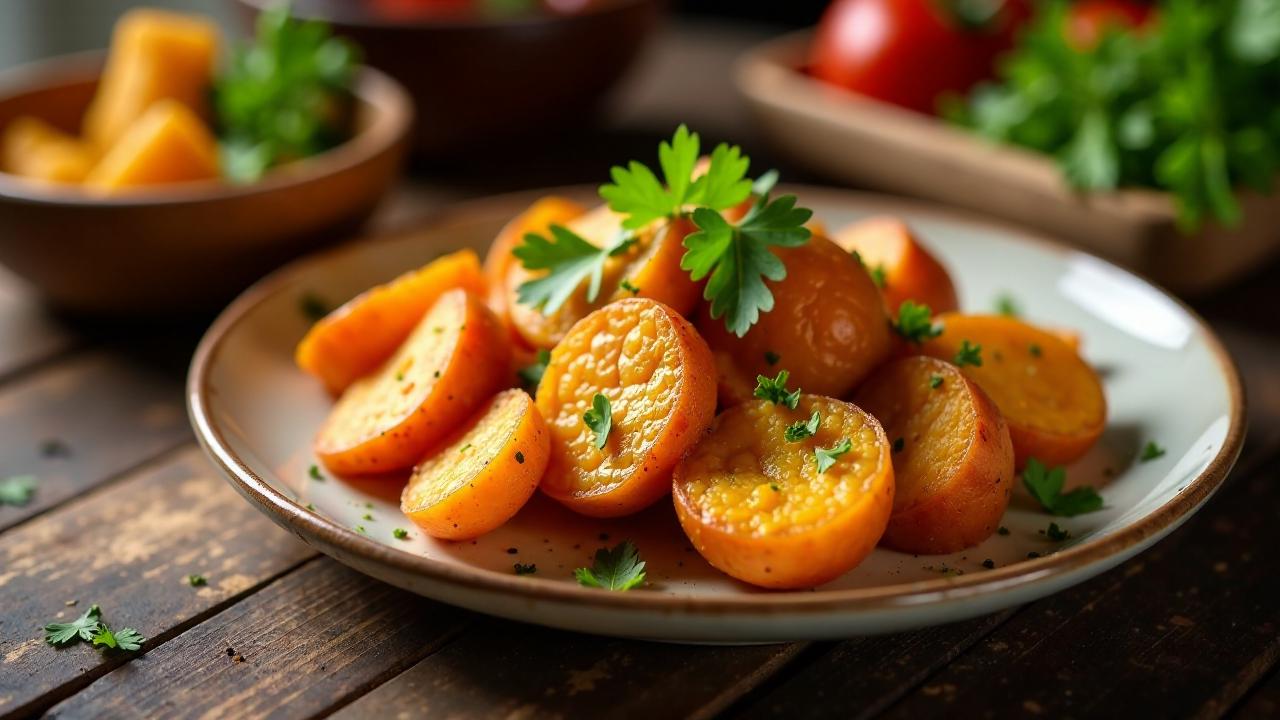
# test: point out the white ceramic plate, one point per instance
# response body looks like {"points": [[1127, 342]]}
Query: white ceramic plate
{"points": [[1167, 379]]}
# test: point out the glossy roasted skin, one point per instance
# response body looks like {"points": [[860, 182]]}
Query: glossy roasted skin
{"points": [[658, 376], [1052, 400], [652, 265], [910, 271], [484, 475], [355, 339], [828, 327], [455, 360], [954, 472], [756, 507]]}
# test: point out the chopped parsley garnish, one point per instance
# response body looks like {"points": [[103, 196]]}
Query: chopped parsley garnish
{"points": [[599, 419], [1035, 350], [1007, 306], [915, 322], [774, 487], [968, 354], [1150, 452], [522, 569], [618, 569], [82, 627], [314, 473], [55, 448], [126, 639], [629, 287], [531, 374], [878, 276], [771, 357], [568, 260], [399, 377], [313, 307], [935, 382], [898, 444], [801, 429], [197, 580], [368, 517], [17, 490], [1002, 530], [1045, 486], [775, 390], [400, 533], [519, 457], [826, 457], [1055, 533]]}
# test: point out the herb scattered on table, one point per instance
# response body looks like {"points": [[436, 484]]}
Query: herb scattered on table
{"points": [[17, 490], [197, 580], [618, 569], [90, 628], [1045, 485], [826, 457], [400, 534], [1150, 452], [775, 390], [915, 322], [801, 429], [599, 419]]}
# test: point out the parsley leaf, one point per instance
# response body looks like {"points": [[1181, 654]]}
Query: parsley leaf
{"points": [[775, 390], [879, 276], [197, 580], [738, 258], [935, 382], [522, 569], [568, 260], [531, 374], [1006, 305], [1057, 534], [826, 457], [400, 534], [618, 569], [915, 322], [1150, 452], [968, 354], [725, 182], [801, 429], [314, 473], [127, 639], [599, 419], [1045, 486], [17, 490], [83, 627]]}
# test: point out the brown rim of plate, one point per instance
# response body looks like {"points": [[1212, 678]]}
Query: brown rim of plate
{"points": [[1063, 563], [391, 114], [456, 22]]}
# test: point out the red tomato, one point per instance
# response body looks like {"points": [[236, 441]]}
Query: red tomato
{"points": [[1089, 19], [908, 52]]}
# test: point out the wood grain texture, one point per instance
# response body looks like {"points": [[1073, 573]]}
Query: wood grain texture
{"points": [[85, 419], [502, 669], [129, 548], [1183, 630], [300, 646]]}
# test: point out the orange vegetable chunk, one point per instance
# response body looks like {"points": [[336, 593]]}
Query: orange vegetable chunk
{"points": [[657, 374], [484, 475], [827, 327], [36, 150], [453, 362], [953, 473], [756, 507], [910, 271], [1052, 400], [355, 339], [155, 55], [168, 144]]}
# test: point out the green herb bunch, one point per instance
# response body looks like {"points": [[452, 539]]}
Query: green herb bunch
{"points": [[1189, 104]]}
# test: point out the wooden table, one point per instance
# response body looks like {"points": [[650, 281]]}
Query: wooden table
{"points": [[127, 507]]}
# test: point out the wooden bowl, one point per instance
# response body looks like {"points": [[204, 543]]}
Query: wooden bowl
{"points": [[186, 246], [481, 83], [876, 145]]}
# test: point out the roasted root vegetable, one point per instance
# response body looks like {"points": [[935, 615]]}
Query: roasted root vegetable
{"points": [[155, 55], [643, 365], [952, 459], [900, 264], [355, 339], [1050, 397], [499, 261], [484, 475], [34, 149], [168, 144], [827, 327], [755, 504], [454, 361]]}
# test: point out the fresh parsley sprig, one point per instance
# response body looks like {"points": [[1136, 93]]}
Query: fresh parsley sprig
{"points": [[599, 419], [90, 628], [775, 390], [1045, 485], [569, 260], [801, 429], [915, 322], [618, 569]]}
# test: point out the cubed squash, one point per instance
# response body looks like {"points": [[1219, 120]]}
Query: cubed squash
{"points": [[155, 55], [168, 144], [34, 149]]}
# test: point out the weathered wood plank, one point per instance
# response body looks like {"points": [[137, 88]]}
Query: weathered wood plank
{"points": [[1263, 702], [28, 332], [860, 678], [85, 419], [1183, 630], [502, 669], [127, 547], [310, 641]]}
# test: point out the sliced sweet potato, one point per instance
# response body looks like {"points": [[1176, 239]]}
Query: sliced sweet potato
{"points": [[657, 375], [1052, 400], [498, 262], [36, 150], [167, 144], [909, 272], [952, 459], [484, 475], [828, 327], [355, 339], [455, 360], [756, 506]]}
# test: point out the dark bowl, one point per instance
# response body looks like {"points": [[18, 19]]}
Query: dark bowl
{"points": [[186, 246], [478, 83]]}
